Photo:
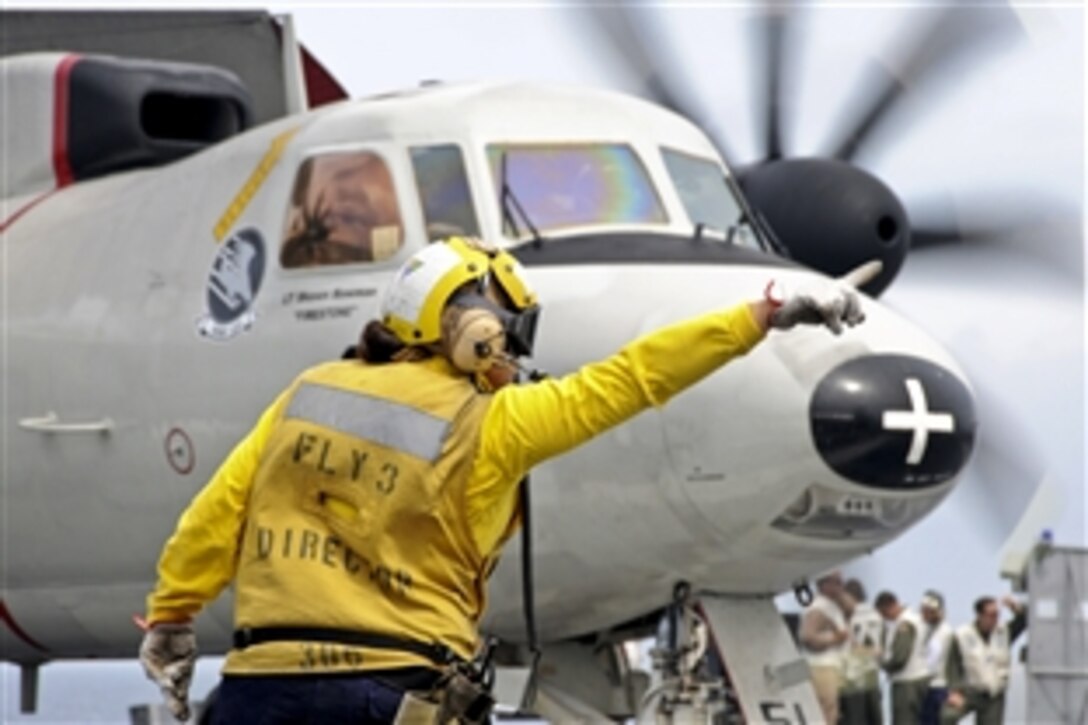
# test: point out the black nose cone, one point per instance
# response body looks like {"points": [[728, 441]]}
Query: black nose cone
{"points": [[893, 422]]}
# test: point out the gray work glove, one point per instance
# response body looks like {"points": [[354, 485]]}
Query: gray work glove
{"points": [[168, 654], [829, 302]]}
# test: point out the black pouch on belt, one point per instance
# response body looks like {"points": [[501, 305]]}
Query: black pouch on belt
{"points": [[464, 701]]}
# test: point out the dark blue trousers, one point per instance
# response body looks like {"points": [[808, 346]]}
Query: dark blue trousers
{"points": [[305, 700], [931, 708]]}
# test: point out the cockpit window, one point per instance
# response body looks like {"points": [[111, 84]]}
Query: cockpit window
{"points": [[343, 210], [700, 184], [569, 185], [444, 191]]}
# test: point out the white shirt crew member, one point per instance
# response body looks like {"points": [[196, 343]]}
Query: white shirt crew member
{"points": [[834, 655], [985, 664], [916, 667], [866, 640], [939, 642]]}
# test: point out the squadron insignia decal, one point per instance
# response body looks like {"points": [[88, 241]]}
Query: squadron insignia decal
{"points": [[233, 283]]}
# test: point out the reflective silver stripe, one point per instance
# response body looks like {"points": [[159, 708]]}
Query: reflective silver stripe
{"points": [[390, 424]]}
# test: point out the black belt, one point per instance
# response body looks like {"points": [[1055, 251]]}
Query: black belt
{"points": [[249, 636], [408, 678]]}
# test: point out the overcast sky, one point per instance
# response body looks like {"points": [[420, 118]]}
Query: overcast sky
{"points": [[1004, 130]]}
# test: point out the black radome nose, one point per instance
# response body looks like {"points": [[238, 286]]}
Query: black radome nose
{"points": [[893, 422]]}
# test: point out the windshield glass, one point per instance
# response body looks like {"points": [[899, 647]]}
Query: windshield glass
{"points": [[444, 191], [571, 185], [701, 186]]}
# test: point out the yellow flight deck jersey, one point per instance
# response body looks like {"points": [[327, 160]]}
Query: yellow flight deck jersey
{"points": [[376, 498]]}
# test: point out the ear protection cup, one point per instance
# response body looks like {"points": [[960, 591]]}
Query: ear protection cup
{"points": [[476, 340]]}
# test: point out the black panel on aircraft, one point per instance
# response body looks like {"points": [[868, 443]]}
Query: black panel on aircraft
{"points": [[893, 421], [641, 248], [126, 114]]}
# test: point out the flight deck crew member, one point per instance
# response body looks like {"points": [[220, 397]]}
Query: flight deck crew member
{"points": [[939, 635], [361, 516], [860, 701], [904, 659], [825, 639], [978, 663]]}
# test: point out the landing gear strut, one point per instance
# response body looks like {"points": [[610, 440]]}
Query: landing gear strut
{"points": [[689, 690]]}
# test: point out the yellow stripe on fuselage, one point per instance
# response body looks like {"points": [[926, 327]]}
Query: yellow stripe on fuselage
{"points": [[241, 200]]}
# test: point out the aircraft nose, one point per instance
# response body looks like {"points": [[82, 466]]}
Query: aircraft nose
{"points": [[893, 422]]}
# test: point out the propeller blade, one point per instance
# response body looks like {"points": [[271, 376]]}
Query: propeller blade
{"points": [[953, 34], [923, 237], [769, 37], [927, 237], [1039, 224], [1008, 472], [629, 34]]}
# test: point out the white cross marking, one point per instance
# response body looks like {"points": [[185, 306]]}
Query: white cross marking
{"points": [[918, 420]]}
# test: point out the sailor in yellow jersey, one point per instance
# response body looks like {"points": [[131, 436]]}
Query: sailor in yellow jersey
{"points": [[360, 518]]}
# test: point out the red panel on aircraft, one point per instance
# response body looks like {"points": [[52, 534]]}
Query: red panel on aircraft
{"points": [[321, 86], [4, 225], [6, 618], [61, 167]]}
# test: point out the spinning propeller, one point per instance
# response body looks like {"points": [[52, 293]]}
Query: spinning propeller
{"points": [[828, 211]]}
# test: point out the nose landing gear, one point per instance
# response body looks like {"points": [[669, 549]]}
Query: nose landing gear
{"points": [[692, 686], [726, 660]]}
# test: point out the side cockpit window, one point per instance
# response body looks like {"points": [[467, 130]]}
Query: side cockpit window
{"points": [[343, 210], [707, 197], [444, 192]]}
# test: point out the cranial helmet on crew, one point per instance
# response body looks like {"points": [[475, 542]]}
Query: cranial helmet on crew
{"points": [[465, 298]]}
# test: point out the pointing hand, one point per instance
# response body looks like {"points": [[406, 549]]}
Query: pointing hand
{"points": [[832, 303]]}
